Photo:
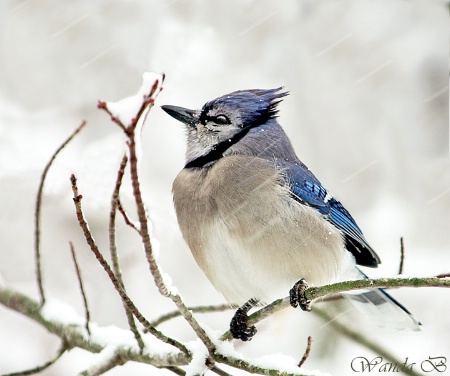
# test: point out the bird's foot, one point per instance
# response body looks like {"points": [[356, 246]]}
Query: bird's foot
{"points": [[297, 296], [238, 326]]}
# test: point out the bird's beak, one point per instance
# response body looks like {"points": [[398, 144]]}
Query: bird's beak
{"points": [[184, 115]]}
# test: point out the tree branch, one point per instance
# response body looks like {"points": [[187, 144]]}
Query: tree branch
{"points": [[317, 292]]}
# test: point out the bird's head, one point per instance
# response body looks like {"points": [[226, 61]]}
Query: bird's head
{"points": [[224, 120]]}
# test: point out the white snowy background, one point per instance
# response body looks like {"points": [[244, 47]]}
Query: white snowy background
{"points": [[368, 113]]}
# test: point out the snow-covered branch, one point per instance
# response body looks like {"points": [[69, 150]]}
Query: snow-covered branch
{"points": [[73, 333]]}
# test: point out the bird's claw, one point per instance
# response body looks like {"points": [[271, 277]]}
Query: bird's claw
{"points": [[239, 323], [297, 296]]}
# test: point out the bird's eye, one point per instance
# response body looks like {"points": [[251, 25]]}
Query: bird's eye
{"points": [[221, 120]]}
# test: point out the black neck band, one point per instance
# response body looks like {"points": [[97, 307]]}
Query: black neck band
{"points": [[217, 152]]}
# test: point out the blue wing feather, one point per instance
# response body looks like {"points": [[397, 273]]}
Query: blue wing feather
{"points": [[307, 189]]}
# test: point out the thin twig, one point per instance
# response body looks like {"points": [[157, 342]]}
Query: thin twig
{"points": [[125, 299], [80, 282], [42, 367], [113, 248], [125, 216], [107, 362], [37, 214], [103, 106], [198, 309], [402, 256], [307, 351]]}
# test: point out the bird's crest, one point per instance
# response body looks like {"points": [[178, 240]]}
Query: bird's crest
{"points": [[271, 96], [255, 106]]}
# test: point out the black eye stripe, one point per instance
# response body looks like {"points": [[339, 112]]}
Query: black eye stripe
{"points": [[218, 119]]}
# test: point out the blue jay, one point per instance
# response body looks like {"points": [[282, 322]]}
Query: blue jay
{"points": [[256, 218]]}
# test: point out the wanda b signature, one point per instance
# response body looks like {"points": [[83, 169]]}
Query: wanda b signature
{"points": [[378, 364]]}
